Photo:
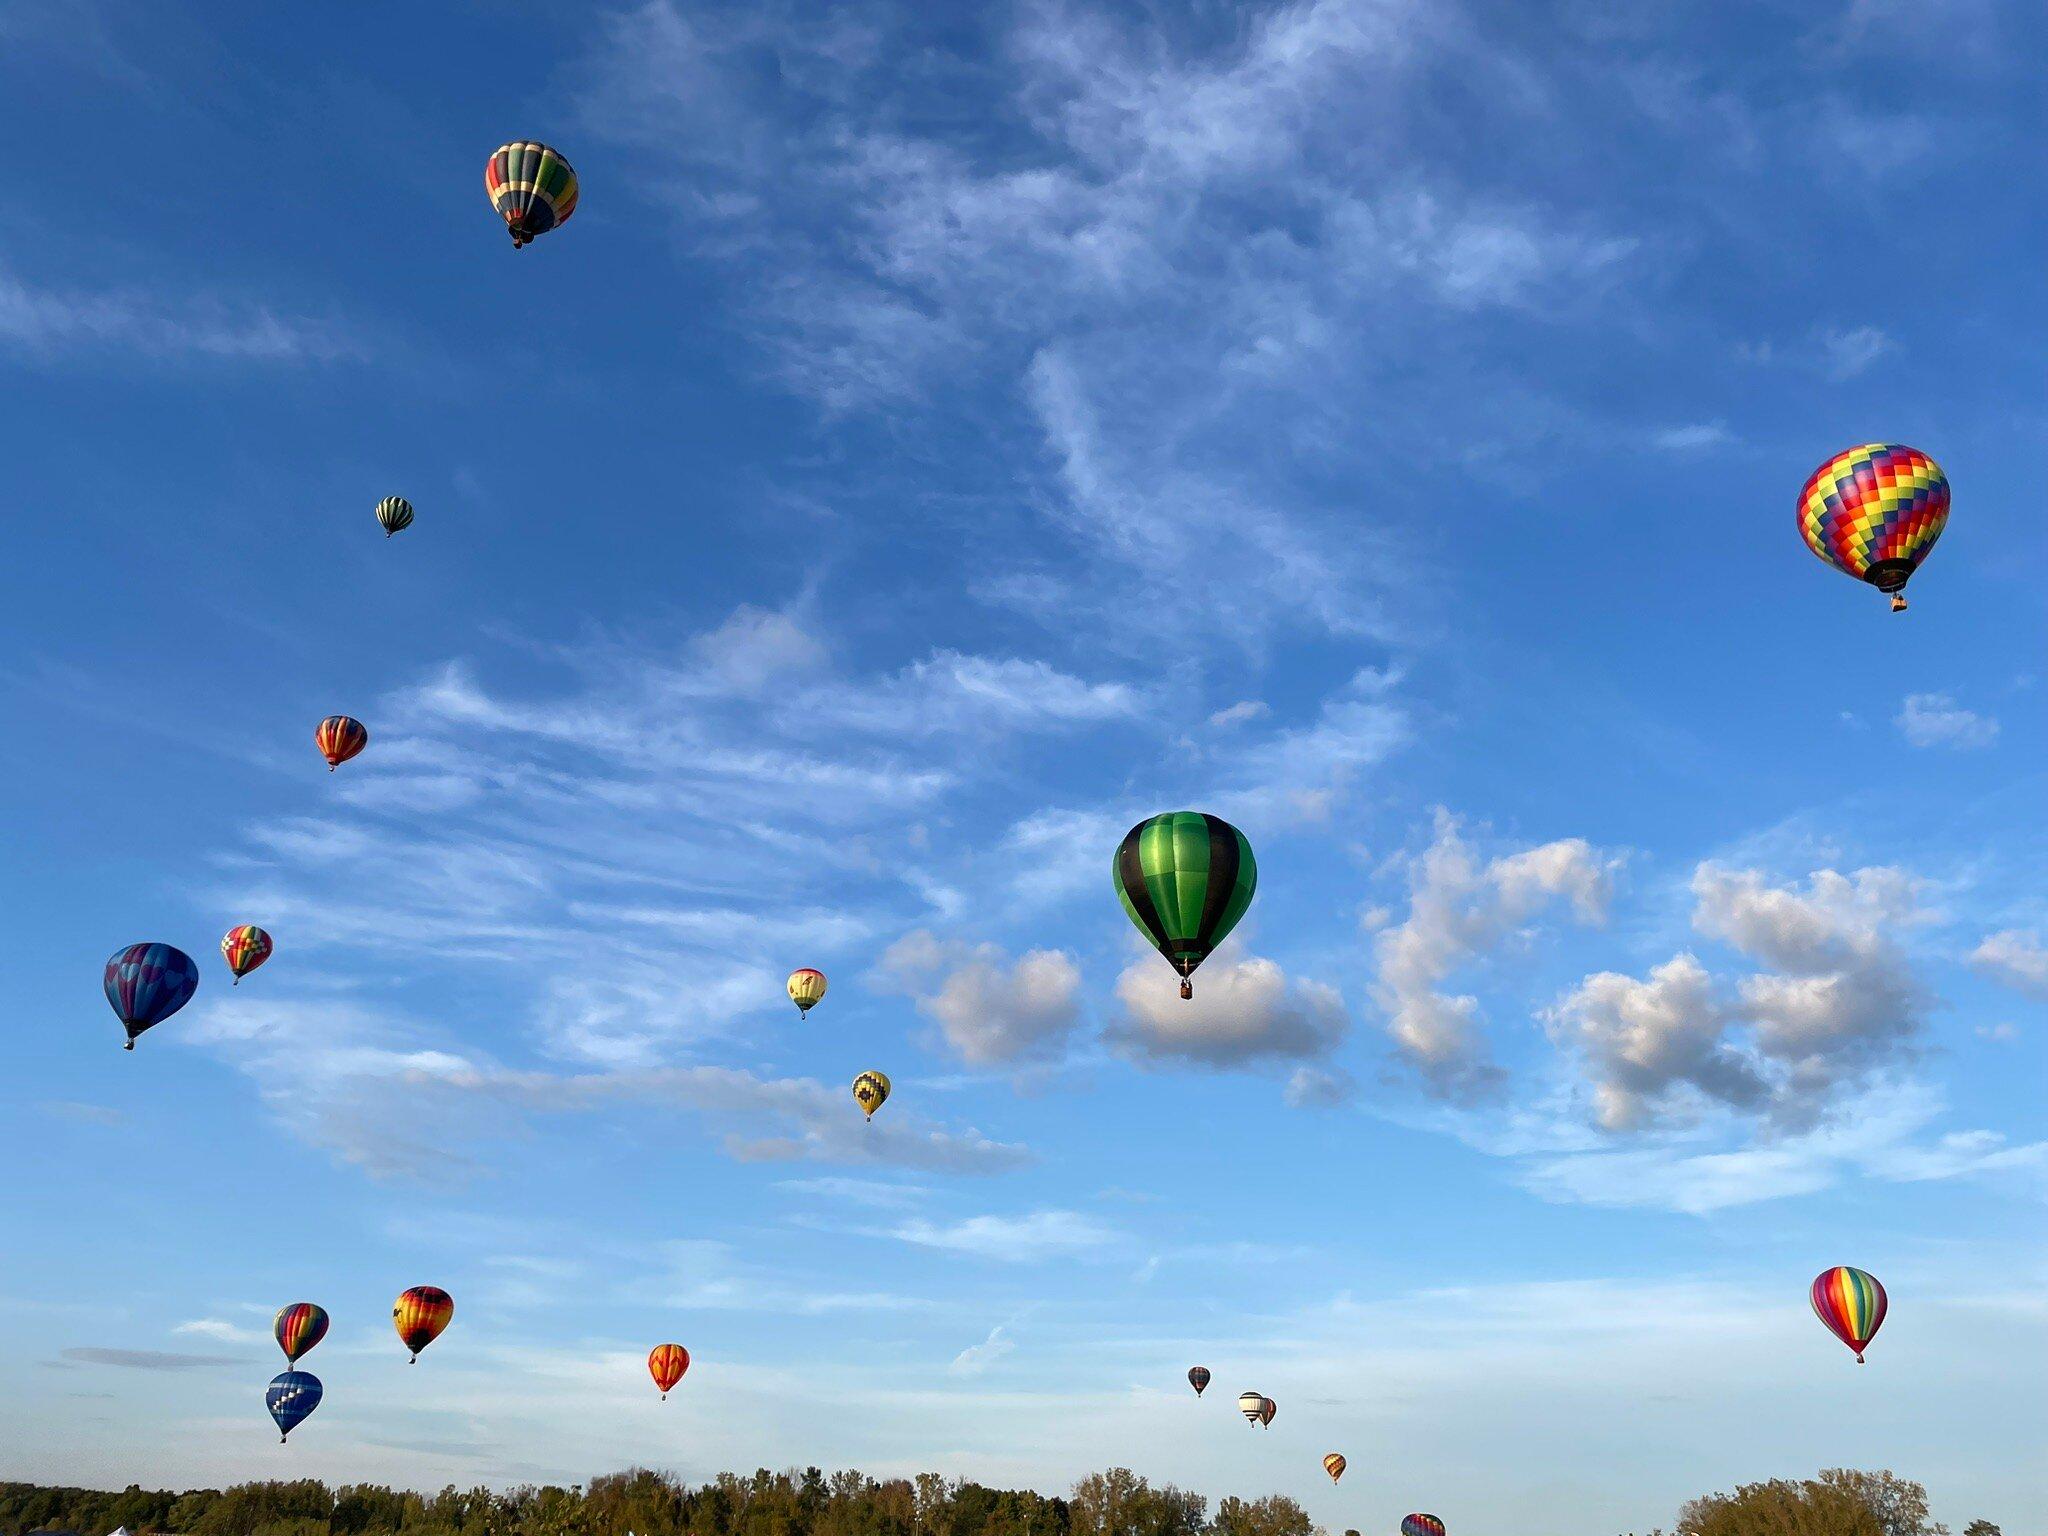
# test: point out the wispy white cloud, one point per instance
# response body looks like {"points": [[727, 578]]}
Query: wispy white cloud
{"points": [[1936, 720], [1850, 352], [370, 1088], [45, 323], [1037, 1237], [1880, 1134], [2016, 957], [976, 1358]]}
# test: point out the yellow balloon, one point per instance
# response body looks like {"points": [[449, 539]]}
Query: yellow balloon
{"points": [[870, 1089], [806, 987], [1334, 1464]]}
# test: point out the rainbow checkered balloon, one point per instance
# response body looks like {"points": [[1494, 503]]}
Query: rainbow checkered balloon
{"points": [[1874, 512]]}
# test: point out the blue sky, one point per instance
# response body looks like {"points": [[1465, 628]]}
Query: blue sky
{"points": [[941, 438]]}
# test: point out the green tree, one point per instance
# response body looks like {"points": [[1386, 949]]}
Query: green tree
{"points": [[1274, 1515]]}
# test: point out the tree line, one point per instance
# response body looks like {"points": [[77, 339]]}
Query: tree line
{"points": [[807, 1503], [639, 1502]]}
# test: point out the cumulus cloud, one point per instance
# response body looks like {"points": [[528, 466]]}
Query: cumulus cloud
{"points": [[1244, 1012], [1936, 720], [990, 1011], [1644, 1036], [1460, 908], [2017, 958], [1850, 351], [1837, 1001]]}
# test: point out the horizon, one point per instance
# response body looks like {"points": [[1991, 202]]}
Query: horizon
{"points": [[938, 442]]}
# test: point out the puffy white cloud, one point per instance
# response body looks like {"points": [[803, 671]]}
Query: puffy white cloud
{"points": [[1459, 909], [1244, 1012], [989, 1010], [1837, 1001], [1318, 1087], [2015, 957], [1641, 1037], [1936, 720]]}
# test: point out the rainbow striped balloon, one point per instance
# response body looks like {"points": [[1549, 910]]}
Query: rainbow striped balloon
{"points": [[1874, 512], [1851, 1303], [1421, 1525], [298, 1328]]}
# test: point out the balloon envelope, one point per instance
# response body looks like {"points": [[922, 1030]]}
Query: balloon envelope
{"points": [[1185, 878], [1422, 1525], [298, 1328], [1252, 1405], [870, 1091], [147, 983], [394, 513], [1874, 512], [532, 187], [340, 738], [1334, 1464], [806, 988], [420, 1314], [1851, 1303], [1267, 1409], [290, 1397], [1198, 1378], [245, 948], [666, 1364]]}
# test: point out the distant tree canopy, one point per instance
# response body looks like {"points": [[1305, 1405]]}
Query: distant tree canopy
{"points": [[1838, 1502], [808, 1503], [1117, 1502]]}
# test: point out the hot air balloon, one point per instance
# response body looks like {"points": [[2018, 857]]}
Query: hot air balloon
{"points": [[290, 1397], [394, 513], [532, 188], [666, 1364], [147, 983], [871, 1091], [419, 1315], [339, 739], [244, 949], [1198, 1378], [1874, 512], [1334, 1465], [1421, 1525], [1185, 878], [1851, 1303], [298, 1328], [806, 989], [1267, 1408], [1252, 1406]]}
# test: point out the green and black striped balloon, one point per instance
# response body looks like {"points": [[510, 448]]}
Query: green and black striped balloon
{"points": [[394, 513], [1185, 878]]}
